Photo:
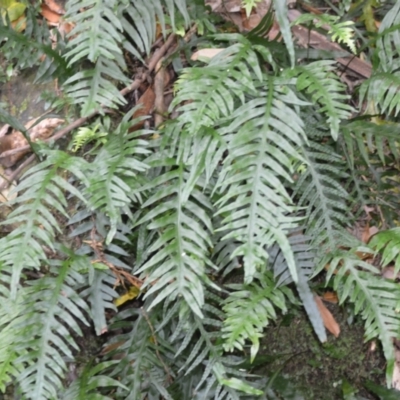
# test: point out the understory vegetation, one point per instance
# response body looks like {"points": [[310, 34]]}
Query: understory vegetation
{"points": [[239, 208]]}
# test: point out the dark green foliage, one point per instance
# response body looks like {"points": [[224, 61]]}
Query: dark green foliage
{"points": [[257, 180]]}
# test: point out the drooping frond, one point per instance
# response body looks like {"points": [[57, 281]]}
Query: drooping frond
{"points": [[98, 36], [376, 299], [382, 88], [388, 43], [388, 244], [281, 11], [304, 256], [49, 313], [249, 309], [254, 205], [113, 182], [41, 188], [382, 92], [177, 267], [365, 139], [319, 81], [323, 200]]}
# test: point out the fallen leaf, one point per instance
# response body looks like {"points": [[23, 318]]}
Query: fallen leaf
{"points": [[147, 102], [55, 6], [328, 319], [368, 232], [131, 294], [205, 53], [331, 297], [43, 130], [51, 17]]}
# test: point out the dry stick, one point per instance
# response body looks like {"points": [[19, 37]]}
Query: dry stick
{"points": [[158, 54], [156, 343], [159, 81]]}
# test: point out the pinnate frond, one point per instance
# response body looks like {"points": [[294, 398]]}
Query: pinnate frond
{"points": [[319, 81], [255, 208], [40, 189], [177, 267]]}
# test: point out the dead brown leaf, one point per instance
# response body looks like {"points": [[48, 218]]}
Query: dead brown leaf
{"points": [[43, 130], [147, 102], [51, 16], [56, 6], [328, 319]]}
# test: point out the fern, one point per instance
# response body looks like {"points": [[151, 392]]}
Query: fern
{"points": [[248, 310], [99, 37], [42, 188], [341, 32], [324, 201], [114, 172], [375, 299], [178, 267], [318, 80], [48, 307], [261, 149]]}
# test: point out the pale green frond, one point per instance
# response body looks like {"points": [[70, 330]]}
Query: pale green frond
{"points": [[388, 43], [382, 92], [177, 267], [50, 311], [249, 308], [318, 80], [375, 298], [40, 189], [211, 92], [113, 175], [255, 207]]}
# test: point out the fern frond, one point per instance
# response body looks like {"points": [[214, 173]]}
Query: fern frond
{"points": [[370, 138], [94, 87], [254, 204], [41, 187], [375, 298], [318, 80], [91, 378], [99, 37], [211, 92], [140, 366], [388, 43], [100, 295], [281, 11], [382, 91], [178, 266], [248, 311], [51, 309], [305, 264], [113, 176], [324, 201], [388, 244], [139, 20], [341, 32]]}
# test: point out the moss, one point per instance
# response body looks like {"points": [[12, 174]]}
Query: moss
{"points": [[322, 371]]}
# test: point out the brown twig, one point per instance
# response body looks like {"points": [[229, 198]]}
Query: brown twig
{"points": [[169, 376], [159, 103], [158, 54]]}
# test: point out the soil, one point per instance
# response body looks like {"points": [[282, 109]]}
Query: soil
{"points": [[323, 371]]}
